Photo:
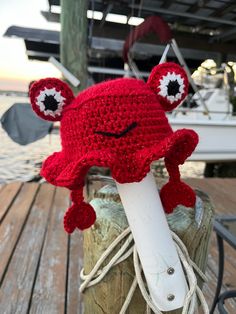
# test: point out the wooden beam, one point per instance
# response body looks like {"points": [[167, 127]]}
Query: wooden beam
{"points": [[167, 4], [185, 40], [73, 38], [225, 35], [198, 5], [227, 8], [106, 11], [186, 15], [220, 12]]}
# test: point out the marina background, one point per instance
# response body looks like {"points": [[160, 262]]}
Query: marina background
{"points": [[16, 71], [23, 162]]}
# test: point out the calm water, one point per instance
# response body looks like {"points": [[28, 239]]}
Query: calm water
{"points": [[23, 162]]}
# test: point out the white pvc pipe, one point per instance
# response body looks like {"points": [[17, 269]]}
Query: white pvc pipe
{"points": [[67, 74], [163, 57], [158, 256], [127, 70]]}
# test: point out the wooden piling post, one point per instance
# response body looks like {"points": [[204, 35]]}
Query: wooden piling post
{"points": [[73, 40], [109, 295]]}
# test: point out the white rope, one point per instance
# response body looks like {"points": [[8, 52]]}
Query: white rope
{"points": [[97, 274], [129, 297], [142, 287]]}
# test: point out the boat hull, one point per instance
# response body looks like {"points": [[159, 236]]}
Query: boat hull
{"points": [[217, 139]]}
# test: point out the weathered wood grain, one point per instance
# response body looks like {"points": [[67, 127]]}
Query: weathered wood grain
{"points": [[13, 223], [16, 289], [74, 38], [230, 270], [109, 295], [220, 193], [7, 196], [74, 298], [49, 293], [229, 280], [209, 289], [230, 260], [19, 251]]}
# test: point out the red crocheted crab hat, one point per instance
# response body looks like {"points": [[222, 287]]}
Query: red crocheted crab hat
{"points": [[120, 124]]}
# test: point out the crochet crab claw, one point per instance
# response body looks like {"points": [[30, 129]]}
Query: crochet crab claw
{"points": [[80, 216], [176, 193]]}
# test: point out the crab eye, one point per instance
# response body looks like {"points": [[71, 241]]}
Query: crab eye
{"points": [[49, 97], [172, 87], [50, 102], [170, 83]]}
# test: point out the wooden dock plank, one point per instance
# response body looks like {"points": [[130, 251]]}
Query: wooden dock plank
{"points": [[49, 295], [41, 267], [74, 298], [221, 192], [17, 286], [230, 258], [7, 196], [13, 223], [225, 188], [209, 287]]}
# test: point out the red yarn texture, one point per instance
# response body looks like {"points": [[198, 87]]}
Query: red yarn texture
{"points": [[80, 215], [121, 124], [153, 24], [49, 83], [157, 74]]}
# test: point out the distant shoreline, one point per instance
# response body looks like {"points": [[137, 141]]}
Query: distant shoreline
{"points": [[13, 93]]}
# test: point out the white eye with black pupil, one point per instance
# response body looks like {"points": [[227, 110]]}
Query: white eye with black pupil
{"points": [[50, 102], [172, 87]]}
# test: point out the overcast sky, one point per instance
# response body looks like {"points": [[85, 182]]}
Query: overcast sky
{"points": [[14, 65]]}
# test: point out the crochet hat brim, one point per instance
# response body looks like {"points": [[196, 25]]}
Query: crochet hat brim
{"points": [[60, 171]]}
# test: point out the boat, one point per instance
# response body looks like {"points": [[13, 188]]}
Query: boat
{"points": [[208, 110], [216, 138], [217, 126]]}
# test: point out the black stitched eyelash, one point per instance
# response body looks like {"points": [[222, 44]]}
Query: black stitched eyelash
{"points": [[118, 135]]}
